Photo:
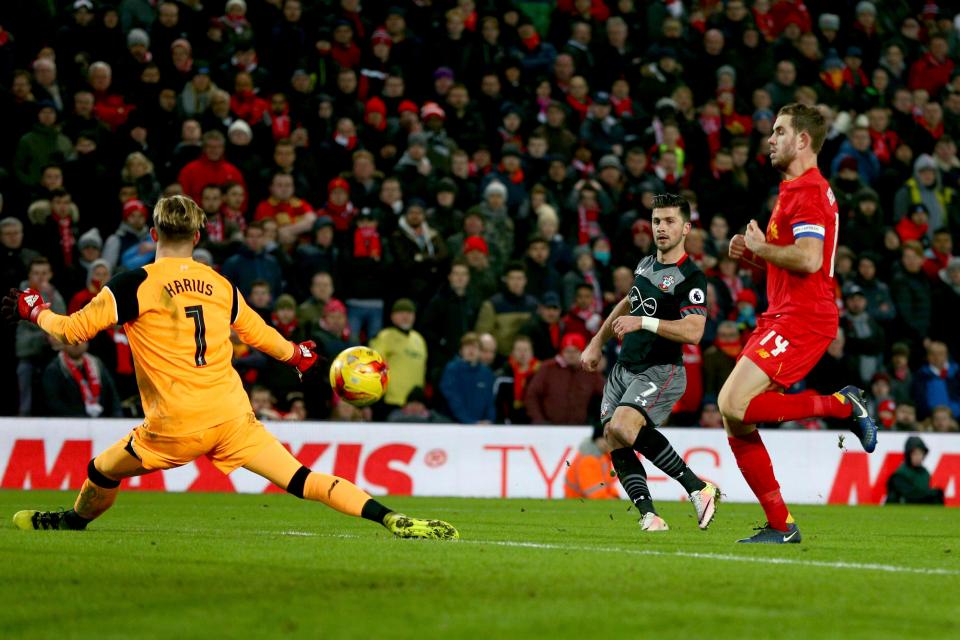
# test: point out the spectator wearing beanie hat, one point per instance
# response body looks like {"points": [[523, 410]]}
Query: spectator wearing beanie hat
{"points": [[133, 231], [864, 33], [338, 205], [496, 217], [561, 392]]}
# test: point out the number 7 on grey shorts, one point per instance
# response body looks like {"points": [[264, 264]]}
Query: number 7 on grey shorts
{"points": [[653, 392]]}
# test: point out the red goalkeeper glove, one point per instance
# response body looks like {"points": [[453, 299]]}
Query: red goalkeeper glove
{"points": [[304, 356], [25, 304]]}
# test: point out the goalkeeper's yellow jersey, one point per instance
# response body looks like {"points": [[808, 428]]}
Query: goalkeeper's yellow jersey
{"points": [[177, 314]]}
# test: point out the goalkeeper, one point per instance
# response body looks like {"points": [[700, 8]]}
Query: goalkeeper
{"points": [[178, 314]]}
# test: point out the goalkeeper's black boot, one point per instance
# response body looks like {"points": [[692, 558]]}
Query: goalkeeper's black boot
{"points": [[29, 520]]}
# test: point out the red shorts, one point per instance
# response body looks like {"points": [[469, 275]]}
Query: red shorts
{"points": [[785, 351]]}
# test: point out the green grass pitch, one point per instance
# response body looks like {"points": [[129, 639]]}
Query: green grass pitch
{"points": [[242, 566]]}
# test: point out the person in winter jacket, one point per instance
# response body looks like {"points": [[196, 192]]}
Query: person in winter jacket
{"points": [[925, 187], [210, 168], [133, 231], [937, 382], [505, 312], [77, 385], [449, 315], [252, 262], [405, 352], [910, 483], [420, 255], [467, 384], [562, 392], [43, 145]]}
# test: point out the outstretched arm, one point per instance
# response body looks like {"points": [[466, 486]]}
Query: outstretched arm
{"points": [[258, 334], [83, 325]]}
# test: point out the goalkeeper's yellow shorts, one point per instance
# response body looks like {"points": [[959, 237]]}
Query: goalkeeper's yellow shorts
{"points": [[228, 446]]}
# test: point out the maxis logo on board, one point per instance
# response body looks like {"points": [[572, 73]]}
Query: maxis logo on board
{"points": [[32, 465]]}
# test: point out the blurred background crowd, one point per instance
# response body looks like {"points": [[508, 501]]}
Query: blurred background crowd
{"points": [[466, 185]]}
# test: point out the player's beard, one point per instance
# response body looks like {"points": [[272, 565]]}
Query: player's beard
{"points": [[785, 155], [667, 248]]}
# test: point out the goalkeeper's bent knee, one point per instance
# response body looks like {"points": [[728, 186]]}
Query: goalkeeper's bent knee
{"points": [[298, 482], [97, 478]]}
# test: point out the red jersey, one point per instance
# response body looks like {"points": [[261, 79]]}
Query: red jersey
{"points": [[283, 212], [806, 208]]}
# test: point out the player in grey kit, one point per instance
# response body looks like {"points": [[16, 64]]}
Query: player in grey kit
{"points": [[666, 307]]}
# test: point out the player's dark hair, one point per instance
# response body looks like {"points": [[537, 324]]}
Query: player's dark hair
{"points": [[59, 193], [672, 201], [809, 120]]}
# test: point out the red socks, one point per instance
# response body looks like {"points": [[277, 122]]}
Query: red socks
{"points": [[779, 407], [757, 470]]}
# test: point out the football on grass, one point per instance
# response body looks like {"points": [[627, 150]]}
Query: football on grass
{"points": [[359, 376]]}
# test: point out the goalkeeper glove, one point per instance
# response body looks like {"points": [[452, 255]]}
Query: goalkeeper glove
{"points": [[304, 356], [23, 304]]}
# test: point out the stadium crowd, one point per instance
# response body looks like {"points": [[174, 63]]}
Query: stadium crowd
{"points": [[466, 185]]}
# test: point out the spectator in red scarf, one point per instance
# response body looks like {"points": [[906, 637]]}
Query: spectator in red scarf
{"points": [[97, 275], [54, 232], [234, 205], [933, 70], [939, 254], [914, 225], [284, 316], [210, 168], [338, 205], [578, 99], [582, 318], [77, 385], [510, 384], [344, 51], [884, 140], [245, 102]]}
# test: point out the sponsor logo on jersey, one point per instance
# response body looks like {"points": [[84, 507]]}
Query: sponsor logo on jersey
{"points": [[666, 283], [32, 299], [763, 353], [831, 197], [637, 301], [604, 409], [697, 296], [773, 233]]}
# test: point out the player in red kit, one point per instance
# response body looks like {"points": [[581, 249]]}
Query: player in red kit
{"points": [[799, 249]]}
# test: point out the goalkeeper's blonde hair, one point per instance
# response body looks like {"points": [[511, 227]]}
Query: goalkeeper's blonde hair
{"points": [[178, 218]]}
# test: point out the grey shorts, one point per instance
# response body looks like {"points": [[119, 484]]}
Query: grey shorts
{"points": [[652, 392]]}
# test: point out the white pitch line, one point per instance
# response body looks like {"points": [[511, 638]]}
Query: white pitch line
{"points": [[889, 568], [723, 557]]}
